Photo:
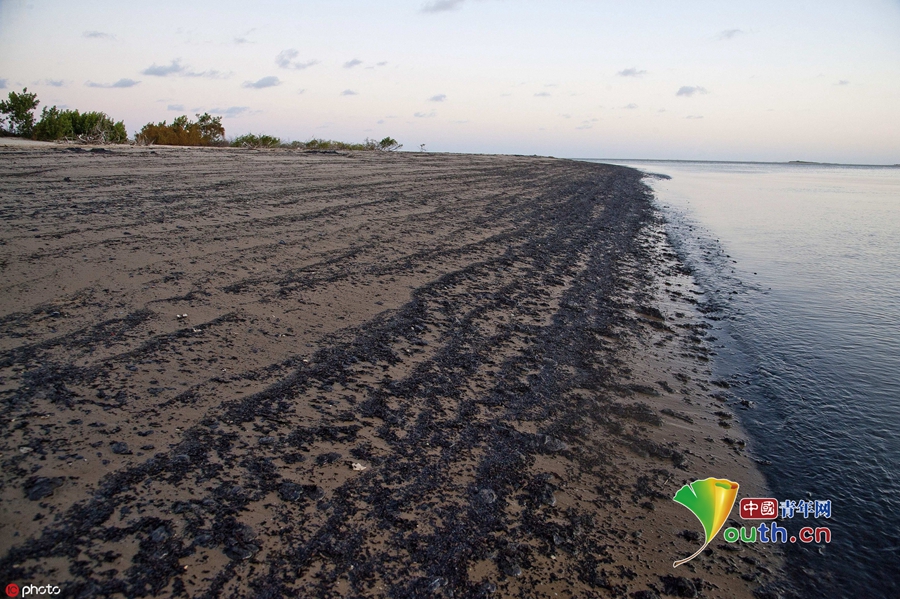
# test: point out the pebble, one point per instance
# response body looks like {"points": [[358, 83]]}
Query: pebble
{"points": [[42, 487], [553, 444], [120, 448], [487, 496], [159, 535], [244, 533], [289, 491], [241, 552], [511, 568]]}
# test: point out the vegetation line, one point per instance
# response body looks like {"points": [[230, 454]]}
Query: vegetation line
{"points": [[17, 119]]}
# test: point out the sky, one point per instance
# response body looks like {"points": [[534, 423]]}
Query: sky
{"points": [[763, 80]]}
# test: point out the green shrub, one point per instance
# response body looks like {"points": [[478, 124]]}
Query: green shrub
{"points": [[388, 144], [251, 140], [18, 111], [206, 131], [255, 141], [54, 124], [327, 144], [70, 124]]}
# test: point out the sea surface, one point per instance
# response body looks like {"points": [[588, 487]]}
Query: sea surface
{"points": [[800, 268]]}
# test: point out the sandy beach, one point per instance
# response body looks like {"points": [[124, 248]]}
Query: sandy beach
{"points": [[243, 373]]}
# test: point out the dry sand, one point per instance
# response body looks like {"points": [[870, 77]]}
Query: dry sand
{"points": [[399, 375]]}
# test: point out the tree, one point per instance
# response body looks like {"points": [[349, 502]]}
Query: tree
{"points": [[18, 110], [250, 140], [208, 130], [71, 124], [211, 128], [98, 126], [389, 144], [54, 124]]}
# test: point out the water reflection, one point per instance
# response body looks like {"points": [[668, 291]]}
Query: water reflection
{"points": [[813, 335]]}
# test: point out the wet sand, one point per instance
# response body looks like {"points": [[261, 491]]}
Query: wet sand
{"points": [[232, 373]]}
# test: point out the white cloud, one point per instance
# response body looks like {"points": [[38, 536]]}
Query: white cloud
{"points": [[286, 60], [438, 98], [98, 35], [442, 5], [121, 83], [729, 34], [631, 72], [176, 68], [210, 74], [270, 81], [231, 111], [164, 70], [690, 90]]}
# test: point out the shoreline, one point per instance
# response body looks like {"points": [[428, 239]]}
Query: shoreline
{"points": [[415, 373]]}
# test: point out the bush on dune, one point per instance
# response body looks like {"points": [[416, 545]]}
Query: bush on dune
{"points": [[256, 141], [56, 124], [94, 127], [17, 118], [205, 131], [18, 113], [328, 144], [388, 144], [251, 140]]}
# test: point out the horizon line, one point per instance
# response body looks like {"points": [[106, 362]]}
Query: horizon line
{"points": [[789, 162]]}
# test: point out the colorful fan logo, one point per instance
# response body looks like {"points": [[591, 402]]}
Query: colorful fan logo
{"points": [[711, 500]]}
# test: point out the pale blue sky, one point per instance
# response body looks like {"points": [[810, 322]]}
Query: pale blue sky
{"points": [[578, 78]]}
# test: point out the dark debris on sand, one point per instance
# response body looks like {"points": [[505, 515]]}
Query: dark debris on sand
{"points": [[432, 421]]}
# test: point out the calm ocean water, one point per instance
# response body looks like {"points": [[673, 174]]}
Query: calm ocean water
{"points": [[800, 265]]}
